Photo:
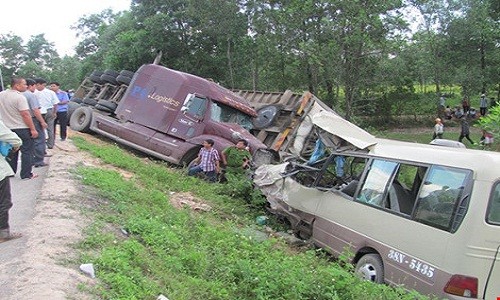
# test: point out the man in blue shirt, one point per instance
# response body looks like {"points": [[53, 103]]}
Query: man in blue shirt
{"points": [[62, 109]]}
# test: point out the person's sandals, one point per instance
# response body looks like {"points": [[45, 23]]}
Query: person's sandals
{"points": [[11, 236], [33, 176]]}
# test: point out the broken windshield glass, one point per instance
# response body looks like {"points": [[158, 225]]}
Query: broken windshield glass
{"points": [[226, 114]]}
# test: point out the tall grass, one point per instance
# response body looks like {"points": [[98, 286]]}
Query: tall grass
{"points": [[185, 254]]}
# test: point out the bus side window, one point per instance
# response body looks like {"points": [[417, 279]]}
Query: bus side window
{"points": [[401, 193], [493, 216], [353, 170], [442, 189], [376, 183]]}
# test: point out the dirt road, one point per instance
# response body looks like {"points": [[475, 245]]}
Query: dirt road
{"points": [[46, 210]]}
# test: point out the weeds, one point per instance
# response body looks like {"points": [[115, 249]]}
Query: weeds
{"points": [[189, 255]]}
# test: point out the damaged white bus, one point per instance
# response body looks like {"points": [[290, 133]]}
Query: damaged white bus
{"points": [[422, 216]]}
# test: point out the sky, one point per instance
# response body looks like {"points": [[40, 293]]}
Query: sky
{"points": [[52, 18]]}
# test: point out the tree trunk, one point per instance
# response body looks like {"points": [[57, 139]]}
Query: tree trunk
{"points": [[310, 78], [230, 63], [483, 66], [255, 75]]}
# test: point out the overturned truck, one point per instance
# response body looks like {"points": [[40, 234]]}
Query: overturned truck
{"points": [[168, 114]]}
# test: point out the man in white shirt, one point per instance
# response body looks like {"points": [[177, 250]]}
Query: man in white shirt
{"points": [[15, 113], [48, 107]]}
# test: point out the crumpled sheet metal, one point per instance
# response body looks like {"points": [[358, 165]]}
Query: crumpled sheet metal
{"points": [[269, 179]]}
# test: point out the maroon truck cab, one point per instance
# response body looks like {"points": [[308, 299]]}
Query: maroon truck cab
{"points": [[168, 114]]}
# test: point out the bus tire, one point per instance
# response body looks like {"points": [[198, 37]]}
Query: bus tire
{"points": [[80, 119], [370, 267]]}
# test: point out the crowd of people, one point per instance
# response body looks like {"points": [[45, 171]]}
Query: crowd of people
{"points": [[464, 114], [29, 114]]}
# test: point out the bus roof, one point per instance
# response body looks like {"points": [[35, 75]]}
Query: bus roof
{"points": [[485, 164]]}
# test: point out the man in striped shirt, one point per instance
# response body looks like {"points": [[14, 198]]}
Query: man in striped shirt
{"points": [[207, 161]]}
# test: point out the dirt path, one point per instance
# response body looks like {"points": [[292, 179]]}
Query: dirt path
{"points": [[45, 267]]}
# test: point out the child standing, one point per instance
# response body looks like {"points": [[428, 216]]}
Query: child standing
{"points": [[438, 129]]}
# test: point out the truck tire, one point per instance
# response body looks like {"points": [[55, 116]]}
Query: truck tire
{"points": [[127, 73], [266, 116], [189, 157], [96, 79], [123, 79], [111, 73], [103, 108], [72, 106], [97, 73], [81, 119], [90, 101], [76, 100], [108, 104], [109, 79]]}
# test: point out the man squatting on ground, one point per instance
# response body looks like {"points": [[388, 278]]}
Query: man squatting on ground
{"points": [[207, 161]]}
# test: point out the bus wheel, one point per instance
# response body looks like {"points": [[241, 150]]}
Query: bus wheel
{"points": [[370, 267]]}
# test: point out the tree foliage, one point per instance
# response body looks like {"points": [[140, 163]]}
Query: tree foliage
{"points": [[360, 56]]}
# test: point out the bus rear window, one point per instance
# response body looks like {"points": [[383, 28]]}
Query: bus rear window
{"points": [[493, 216]]}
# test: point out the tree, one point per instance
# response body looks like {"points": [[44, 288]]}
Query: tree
{"points": [[12, 54], [41, 51], [363, 29], [473, 37]]}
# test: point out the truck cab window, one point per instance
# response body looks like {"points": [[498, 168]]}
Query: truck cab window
{"points": [[493, 216], [440, 195], [225, 114], [195, 106]]}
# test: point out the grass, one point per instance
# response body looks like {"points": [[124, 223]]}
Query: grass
{"points": [[184, 254], [424, 136]]}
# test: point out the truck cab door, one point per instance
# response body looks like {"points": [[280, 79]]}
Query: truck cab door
{"points": [[189, 122]]}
